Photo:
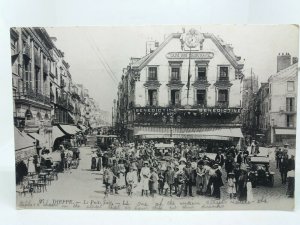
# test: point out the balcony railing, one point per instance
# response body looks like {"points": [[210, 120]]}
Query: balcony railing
{"points": [[223, 78], [32, 95], [63, 102]]}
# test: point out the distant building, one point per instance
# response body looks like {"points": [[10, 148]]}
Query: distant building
{"points": [[250, 88]]}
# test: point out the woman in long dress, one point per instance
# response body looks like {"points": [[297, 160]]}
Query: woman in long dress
{"points": [[145, 175], [31, 166]]}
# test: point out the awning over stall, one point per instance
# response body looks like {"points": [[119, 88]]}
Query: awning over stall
{"points": [[24, 145], [69, 129], [188, 133], [56, 133]]}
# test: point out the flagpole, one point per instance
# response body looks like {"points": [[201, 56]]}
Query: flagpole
{"points": [[189, 77]]}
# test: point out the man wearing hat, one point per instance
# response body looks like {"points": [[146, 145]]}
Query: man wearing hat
{"points": [[145, 175], [189, 173], [169, 180]]}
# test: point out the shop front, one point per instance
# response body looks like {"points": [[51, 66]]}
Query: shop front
{"points": [[212, 127], [24, 149]]}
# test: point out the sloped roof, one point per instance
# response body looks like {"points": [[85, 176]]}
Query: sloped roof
{"points": [[285, 74], [227, 51]]}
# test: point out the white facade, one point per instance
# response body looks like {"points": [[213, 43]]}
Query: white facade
{"points": [[165, 64]]}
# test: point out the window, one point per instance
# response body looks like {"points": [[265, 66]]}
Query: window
{"points": [[223, 73], [175, 73], [290, 86], [175, 97], [27, 75], [152, 97], [223, 96], [289, 120], [37, 80], [270, 102], [14, 45], [152, 73], [201, 97], [290, 104], [201, 73]]}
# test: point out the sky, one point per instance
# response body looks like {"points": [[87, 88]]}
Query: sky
{"points": [[97, 54]]}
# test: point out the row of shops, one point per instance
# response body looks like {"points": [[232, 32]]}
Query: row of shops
{"points": [[30, 144]]}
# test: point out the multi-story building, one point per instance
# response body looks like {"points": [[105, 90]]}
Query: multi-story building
{"points": [[282, 100], [31, 60], [189, 87], [262, 113]]}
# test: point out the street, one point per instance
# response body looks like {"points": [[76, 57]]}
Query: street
{"points": [[82, 188]]}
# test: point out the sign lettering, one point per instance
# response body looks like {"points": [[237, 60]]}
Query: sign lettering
{"points": [[186, 55]]}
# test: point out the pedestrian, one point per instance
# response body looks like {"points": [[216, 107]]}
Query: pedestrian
{"points": [[242, 185], [161, 179], [239, 158], [291, 183], [169, 180], [219, 158], [246, 154], [217, 181], [130, 178], [153, 182], [284, 168], [200, 177], [253, 147], [249, 185], [278, 156], [145, 175], [231, 190], [181, 182], [189, 173]]}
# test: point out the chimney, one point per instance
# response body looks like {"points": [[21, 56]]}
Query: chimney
{"points": [[295, 60], [283, 61]]}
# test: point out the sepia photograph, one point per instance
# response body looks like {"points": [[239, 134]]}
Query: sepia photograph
{"points": [[181, 117]]}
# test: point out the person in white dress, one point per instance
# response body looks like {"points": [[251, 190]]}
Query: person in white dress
{"points": [[30, 166], [145, 175]]}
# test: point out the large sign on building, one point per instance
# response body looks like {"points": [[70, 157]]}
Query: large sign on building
{"points": [[191, 55]]}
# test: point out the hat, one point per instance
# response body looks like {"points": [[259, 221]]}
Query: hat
{"points": [[146, 162], [182, 160]]}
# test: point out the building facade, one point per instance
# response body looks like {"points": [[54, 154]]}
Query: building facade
{"points": [[283, 100], [189, 87]]}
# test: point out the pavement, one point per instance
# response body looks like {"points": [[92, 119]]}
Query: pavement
{"points": [[82, 188]]}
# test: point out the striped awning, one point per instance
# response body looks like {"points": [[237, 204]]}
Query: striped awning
{"points": [[188, 133]]}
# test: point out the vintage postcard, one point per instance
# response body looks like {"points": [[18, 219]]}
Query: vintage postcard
{"points": [[189, 117]]}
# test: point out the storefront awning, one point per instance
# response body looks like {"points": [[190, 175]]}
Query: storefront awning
{"points": [[35, 136], [282, 131], [188, 133], [24, 145], [69, 129], [56, 133]]}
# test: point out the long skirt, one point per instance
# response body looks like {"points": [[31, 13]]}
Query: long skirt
{"points": [[249, 192], [145, 184]]}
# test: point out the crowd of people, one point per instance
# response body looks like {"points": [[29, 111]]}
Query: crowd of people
{"points": [[183, 170]]}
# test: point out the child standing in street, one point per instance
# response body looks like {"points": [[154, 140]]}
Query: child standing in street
{"points": [[231, 185]]}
